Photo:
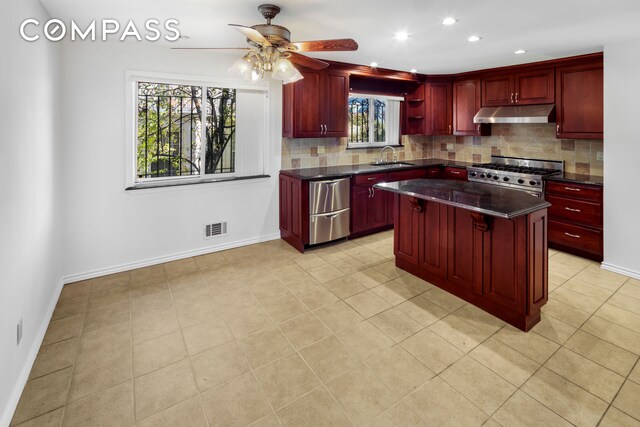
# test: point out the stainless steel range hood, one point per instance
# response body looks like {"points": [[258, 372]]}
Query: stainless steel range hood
{"points": [[517, 114]]}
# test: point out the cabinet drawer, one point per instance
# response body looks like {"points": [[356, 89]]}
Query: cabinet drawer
{"points": [[574, 190], [405, 175], [578, 211], [582, 238], [455, 173], [329, 196], [434, 172], [370, 178]]}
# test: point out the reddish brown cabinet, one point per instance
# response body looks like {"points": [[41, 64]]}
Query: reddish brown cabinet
{"points": [[466, 103], [497, 264], [316, 106], [294, 211], [523, 88], [579, 101], [414, 111], [439, 108], [575, 218], [402, 176], [450, 172], [368, 205]]}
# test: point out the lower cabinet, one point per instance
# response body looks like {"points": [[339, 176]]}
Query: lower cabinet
{"points": [[575, 218], [498, 264]]}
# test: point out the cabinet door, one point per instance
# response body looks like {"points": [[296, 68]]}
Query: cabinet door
{"points": [[360, 200], [466, 103], [579, 102], [535, 87], [439, 108], [464, 250], [406, 234], [377, 212], [335, 103], [497, 91], [401, 176], [308, 105], [433, 246]]}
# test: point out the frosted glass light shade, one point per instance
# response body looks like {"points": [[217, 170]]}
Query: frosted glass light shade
{"points": [[297, 76], [242, 69], [283, 69]]}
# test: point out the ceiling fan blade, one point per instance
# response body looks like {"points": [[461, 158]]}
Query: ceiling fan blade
{"points": [[251, 34], [211, 48], [326, 45], [305, 61]]}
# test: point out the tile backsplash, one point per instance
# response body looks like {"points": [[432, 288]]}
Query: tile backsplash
{"points": [[516, 140]]}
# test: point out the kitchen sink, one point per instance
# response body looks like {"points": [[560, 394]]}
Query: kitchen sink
{"points": [[391, 164]]}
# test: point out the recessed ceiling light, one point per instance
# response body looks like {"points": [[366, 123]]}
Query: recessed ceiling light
{"points": [[374, 64], [401, 36], [520, 51], [413, 71], [449, 21], [474, 38]]}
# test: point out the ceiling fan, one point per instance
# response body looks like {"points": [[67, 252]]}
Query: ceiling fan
{"points": [[273, 51]]}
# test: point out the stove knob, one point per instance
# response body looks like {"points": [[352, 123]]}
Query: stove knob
{"points": [[521, 181], [489, 175], [505, 179], [473, 174], [496, 177], [532, 182], [482, 175]]}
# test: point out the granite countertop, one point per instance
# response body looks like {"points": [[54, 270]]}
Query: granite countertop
{"points": [[349, 170], [475, 196], [577, 178]]}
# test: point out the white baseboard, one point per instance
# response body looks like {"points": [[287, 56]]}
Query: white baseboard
{"points": [[11, 405], [620, 270], [166, 258]]}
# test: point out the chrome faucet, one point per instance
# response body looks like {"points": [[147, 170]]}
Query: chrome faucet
{"points": [[395, 157]]}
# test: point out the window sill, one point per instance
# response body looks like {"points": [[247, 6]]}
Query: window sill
{"points": [[180, 183]]}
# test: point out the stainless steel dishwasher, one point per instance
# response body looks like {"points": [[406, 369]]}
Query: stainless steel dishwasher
{"points": [[329, 210]]}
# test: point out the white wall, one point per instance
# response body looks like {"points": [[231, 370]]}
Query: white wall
{"points": [[30, 262], [621, 158], [107, 228]]}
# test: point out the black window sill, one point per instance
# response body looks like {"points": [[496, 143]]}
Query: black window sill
{"points": [[375, 147], [180, 183]]}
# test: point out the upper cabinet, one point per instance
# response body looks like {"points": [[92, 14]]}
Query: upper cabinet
{"points": [[579, 101], [414, 111], [466, 103], [439, 114], [316, 106], [523, 88]]}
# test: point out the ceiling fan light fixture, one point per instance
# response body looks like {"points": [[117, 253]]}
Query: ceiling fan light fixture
{"points": [[297, 75], [283, 69], [242, 68]]}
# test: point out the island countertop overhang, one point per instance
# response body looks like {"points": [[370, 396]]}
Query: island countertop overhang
{"points": [[478, 197]]}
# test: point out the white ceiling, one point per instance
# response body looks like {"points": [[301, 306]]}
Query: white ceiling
{"points": [[545, 28]]}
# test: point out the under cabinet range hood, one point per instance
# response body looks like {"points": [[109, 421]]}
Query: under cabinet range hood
{"points": [[517, 114]]}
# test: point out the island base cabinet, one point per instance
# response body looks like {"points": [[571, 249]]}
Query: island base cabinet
{"points": [[497, 264]]}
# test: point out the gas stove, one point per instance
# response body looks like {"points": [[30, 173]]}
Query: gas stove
{"points": [[514, 172]]}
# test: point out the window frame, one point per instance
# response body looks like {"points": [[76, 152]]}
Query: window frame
{"points": [[131, 120], [372, 97]]}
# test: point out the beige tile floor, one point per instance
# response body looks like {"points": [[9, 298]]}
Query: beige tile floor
{"points": [[263, 335]]}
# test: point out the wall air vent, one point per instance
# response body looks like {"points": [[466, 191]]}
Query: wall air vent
{"points": [[215, 229]]}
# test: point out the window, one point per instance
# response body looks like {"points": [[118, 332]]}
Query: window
{"points": [[374, 120], [193, 132]]}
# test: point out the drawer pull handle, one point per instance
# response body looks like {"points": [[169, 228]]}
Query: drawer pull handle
{"points": [[575, 236], [455, 172], [373, 178], [571, 189], [570, 209], [331, 216]]}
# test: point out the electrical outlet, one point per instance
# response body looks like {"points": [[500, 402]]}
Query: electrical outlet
{"points": [[598, 155], [19, 332], [449, 146], [320, 149]]}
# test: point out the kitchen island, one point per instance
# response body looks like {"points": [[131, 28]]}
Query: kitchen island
{"points": [[482, 243]]}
